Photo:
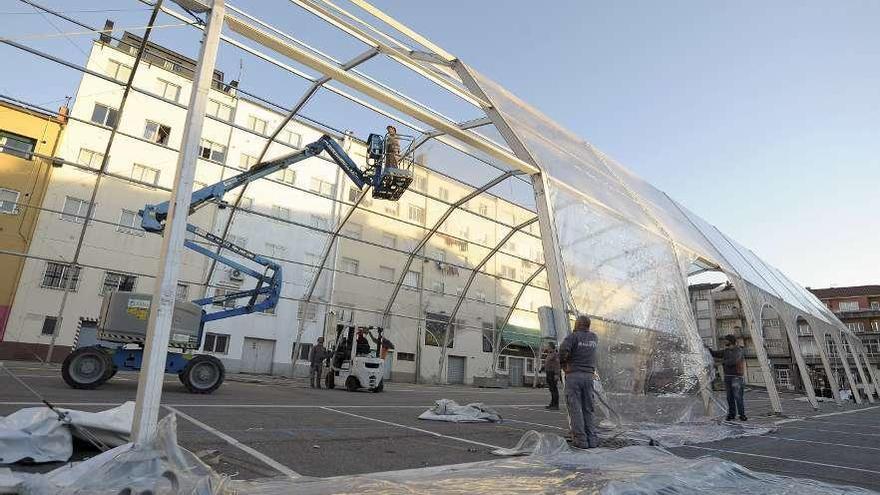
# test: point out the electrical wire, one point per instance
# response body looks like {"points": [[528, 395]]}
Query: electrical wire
{"points": [[60, 34]]}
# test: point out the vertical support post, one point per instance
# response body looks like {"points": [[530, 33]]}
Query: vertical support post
{"points": [[841, 351], [552, 258], [152, 373], [795, 345], [819, 339], [754, 322], [866, 385]]}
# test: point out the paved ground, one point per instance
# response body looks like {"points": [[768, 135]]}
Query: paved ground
{"points": [[281, 426]]}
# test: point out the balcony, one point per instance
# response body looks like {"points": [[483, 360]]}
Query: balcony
{"points": [[728, 313]]}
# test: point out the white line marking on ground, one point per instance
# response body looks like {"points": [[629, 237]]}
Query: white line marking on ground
{"points": [[833, 431], [95, 404], [281, 468], [781, 459], [820, 443], [247, 406], [534, 424], [413, 428], [844, 412], [845, 424]]}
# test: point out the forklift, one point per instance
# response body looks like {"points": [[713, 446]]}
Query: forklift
{"points": [[356, 366]]}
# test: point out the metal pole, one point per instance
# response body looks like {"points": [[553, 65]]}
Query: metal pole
{"points": [[67, 272], [152, 373]]}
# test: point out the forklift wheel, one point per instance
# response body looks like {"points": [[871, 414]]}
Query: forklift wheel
{"points": [[352, 384], [329, 382], [86, 368], [203, 374], [380, 387]]}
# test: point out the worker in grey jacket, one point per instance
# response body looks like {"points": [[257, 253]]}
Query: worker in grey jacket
{"points": [[316, 363], [577, 355]]}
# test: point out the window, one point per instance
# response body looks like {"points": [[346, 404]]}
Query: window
{"points": [[483, 209], [386, 273], [502, 362], [16, 145], [444, 194], [104, 115], [220, 292], [406, 356], [438, 286], [435, 330], [848, 306], [353, 230], [246, 161], [875, 326], [166, 64], [353, 194], [480, 295], [49, 325], [392, 208], [416, 213], [311, 313], [9, 201], [508, 272], [281, 212], [856, 326], [182, 292], [875, 304], [246, 203], [702, 305], [216, 342], [169, 90], [319, 222], [220, 110], [75, 209], [350, 265], [287, 176], [210, 150], [530, 366], [118, 70], [292, 138], [704, 324], [304, 351], [118, 281], [488, 337], [421, 182], [129, 223], [323, 187], [275, 250], [156, 132], [266, 311], [57, 276], [389, 240], [89, 158], [257, 125], [412, 278], [143, 173]]}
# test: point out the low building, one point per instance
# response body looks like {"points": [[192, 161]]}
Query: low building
{"points": [[858, 307]]}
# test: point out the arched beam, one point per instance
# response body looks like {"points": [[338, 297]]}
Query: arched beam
{"points": [[841, 352], [467, 286], [386, 314], [794, 345], [866, 385], [819, 340]]}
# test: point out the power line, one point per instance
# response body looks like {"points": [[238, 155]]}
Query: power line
{"points": [[89, 32]]}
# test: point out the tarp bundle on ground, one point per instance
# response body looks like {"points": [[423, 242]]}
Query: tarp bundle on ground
{"points": [[451, 411], [39, 434]]}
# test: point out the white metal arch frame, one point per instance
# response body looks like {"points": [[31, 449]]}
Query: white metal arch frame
{"points": [[496, 343], [467, 286], [788, 321], [819, 341]]}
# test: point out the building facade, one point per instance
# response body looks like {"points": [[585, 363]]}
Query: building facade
{"points": [[858, 307], [288, 217], [27, 136]]}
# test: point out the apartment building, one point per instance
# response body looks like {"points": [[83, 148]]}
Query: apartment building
{"points": [[858, 307], [26, 138], [288, 218]]}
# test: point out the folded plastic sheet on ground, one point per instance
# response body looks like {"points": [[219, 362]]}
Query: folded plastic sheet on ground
{"points": [[554, 468], [159, 468], [678, 434], [449, 410], [38, 434]]}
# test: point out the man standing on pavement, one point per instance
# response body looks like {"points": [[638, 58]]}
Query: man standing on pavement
{"points": [[733, 360], [316, 363], [551, 371], [577, 355]]}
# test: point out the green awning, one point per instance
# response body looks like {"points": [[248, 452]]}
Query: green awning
{"points": [[521, 335]]}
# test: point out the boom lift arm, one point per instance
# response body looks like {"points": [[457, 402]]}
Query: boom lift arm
{"points": [[388, 182]]}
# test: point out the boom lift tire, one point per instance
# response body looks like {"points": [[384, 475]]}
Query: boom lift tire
{"points": [[203, 374], [87, 368], [352, 384], [380, 387]]}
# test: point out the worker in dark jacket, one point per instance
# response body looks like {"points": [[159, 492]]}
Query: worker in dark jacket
{"points": [[316, 363], [551, 371], [362, 345], [733, 360], [577, 355]]}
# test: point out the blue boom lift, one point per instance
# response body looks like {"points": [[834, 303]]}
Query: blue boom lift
{"points": [[123, 319]]}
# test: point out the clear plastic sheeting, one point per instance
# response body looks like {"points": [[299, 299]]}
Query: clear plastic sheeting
{"points": [[39, 434], [555, 468], [676, 435], [159, 468], [451, 411]]}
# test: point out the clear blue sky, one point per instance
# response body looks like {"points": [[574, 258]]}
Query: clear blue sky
{"points": [[763, 117]]}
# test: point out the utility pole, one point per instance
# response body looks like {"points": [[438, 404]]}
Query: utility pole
{"points": [[152, 375]]}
